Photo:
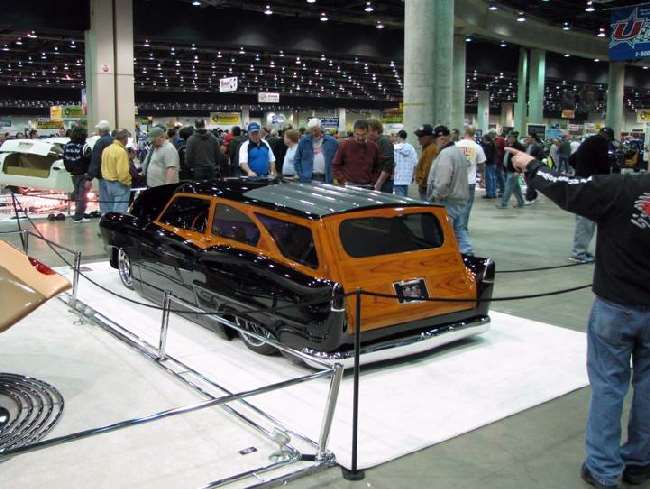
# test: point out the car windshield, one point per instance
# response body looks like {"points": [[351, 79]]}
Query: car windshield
{"points": [[373, 236], [187, 213]]}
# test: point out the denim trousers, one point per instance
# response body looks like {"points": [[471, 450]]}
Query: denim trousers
{"points": [[584, 233], [512, 187], [118, 194], [500, 179], [104, 203], [616, 335], [401, 190], [456, 212], [468, 207], [490, 181], [80, 196]]}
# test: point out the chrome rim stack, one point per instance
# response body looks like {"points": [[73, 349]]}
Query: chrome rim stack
{"points": [[29, 409]]}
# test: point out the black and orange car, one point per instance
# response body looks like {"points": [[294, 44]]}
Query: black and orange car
{"points": [[236, 246]]}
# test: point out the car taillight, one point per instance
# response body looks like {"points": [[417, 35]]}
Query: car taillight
{"points": [[338, 298], [41, 267]]}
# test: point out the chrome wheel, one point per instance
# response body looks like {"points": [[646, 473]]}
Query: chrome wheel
{"points": [[252, 343], [124, 267]]}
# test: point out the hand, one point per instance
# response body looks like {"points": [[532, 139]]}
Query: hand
{"points": [[252, 174], [520, 160]]}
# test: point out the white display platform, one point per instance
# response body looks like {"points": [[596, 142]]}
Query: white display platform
{"points": [[104, 381], [404, 406]]}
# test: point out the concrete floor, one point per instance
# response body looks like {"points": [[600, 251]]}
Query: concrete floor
{"points": [[539, 448]]}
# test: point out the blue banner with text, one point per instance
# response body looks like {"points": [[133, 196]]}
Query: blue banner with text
{"points": [[629, 37]]}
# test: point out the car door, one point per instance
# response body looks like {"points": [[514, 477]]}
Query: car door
{"points": [[181, 234]]}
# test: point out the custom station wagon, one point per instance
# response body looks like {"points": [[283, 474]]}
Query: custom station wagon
{"points": [[237, 246]]}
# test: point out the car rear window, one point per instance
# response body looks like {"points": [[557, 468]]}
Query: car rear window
{"points": [[373, 236], [187, 213], [232, 223], [295, 242]]}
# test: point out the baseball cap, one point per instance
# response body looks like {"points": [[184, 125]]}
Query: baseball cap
{"points": [[424, 130], [155, 132], [441, 131], [253, 127], [103, 125], [609, 131]]}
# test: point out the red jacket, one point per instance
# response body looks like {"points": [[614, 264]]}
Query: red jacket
{"points": [[356, 162]]}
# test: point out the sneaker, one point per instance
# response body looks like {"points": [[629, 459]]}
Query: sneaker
{"points": [[530, 202], [582, 259], [636, 474], [501, 206], [81, 220], [589, 479]]}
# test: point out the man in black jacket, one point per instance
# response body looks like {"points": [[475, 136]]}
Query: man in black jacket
{"points": [[618, 332], [591, 158], [95, 169], [76, 159], [203, 153]]}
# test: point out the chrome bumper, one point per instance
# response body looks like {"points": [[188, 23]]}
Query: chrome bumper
{"points": [[402, 347]]}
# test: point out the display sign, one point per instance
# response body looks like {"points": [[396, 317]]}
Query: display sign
{"points": [[393, 116], [5, 122], [329, 123], [539, 129], [268, 97], [56, 112], [629, 37], [228, 84], [225, 118], [568, 114], [72, 112], [49, 124], [643, 115], [554, 133]]}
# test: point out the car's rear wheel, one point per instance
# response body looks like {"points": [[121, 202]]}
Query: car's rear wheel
{"points": [[254, 344], [124, 268]]}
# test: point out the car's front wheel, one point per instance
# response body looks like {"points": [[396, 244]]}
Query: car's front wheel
{"points": [[254, 344], [124, 268]]}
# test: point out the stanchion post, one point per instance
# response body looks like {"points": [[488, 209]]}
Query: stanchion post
{"points": [[354, 474], [164, 326], [330, 408], [26, 242], [76, 270]]}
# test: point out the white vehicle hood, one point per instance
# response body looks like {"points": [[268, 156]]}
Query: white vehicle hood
{"points": [[30, 146]]}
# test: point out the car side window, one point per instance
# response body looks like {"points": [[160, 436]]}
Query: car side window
{"points": [[187, 213], [232, 223], [295, 242]]}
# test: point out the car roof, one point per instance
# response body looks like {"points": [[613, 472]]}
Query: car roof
{"points": [[311, 201]]}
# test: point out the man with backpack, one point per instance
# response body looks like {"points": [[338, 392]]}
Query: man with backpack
{"points": [[76, 159]]}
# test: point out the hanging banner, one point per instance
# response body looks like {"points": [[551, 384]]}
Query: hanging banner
{"points": [[329, 123], [629, 37], [225, 118], [268, 97], [393, 116], [56, 112], [568, 114], [72, 112], [228, 84], [49, 124], [643, 115]]}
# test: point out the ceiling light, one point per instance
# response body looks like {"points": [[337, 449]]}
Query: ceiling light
{"points": [[596, 60], [590, 6], [566, 55], [196, 3], [493, 7], [380, 25], [503, 44], [32, 35], [468, 39], [311, 1], [521, 16], [241, 50], [566, 26], [369, 7], [323, 17], [268, 10], [19, 42], [645, 67], [601, 32]]}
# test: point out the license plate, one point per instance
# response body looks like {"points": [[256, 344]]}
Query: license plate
{"points": [[411, 291]]}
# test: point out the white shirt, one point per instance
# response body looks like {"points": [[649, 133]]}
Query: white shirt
{"points": [[475, 156], [288, 167], [574, 146], [319, 158], [405, 161]]}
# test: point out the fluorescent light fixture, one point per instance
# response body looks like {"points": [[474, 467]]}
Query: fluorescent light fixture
{"points": [[566, 26], [268, 10], [196, 3], [601, 32], [369, 7], [323, 17], [590, 6], [521, 16], [380, 25]]}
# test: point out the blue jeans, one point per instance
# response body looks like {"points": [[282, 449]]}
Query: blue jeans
{"points": [[490, 181], [456, 212], [402, 190], [617, 334], [468, 206], [104, 204], [500, 179], [584, 233], [118, 194], [512, 187]]}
